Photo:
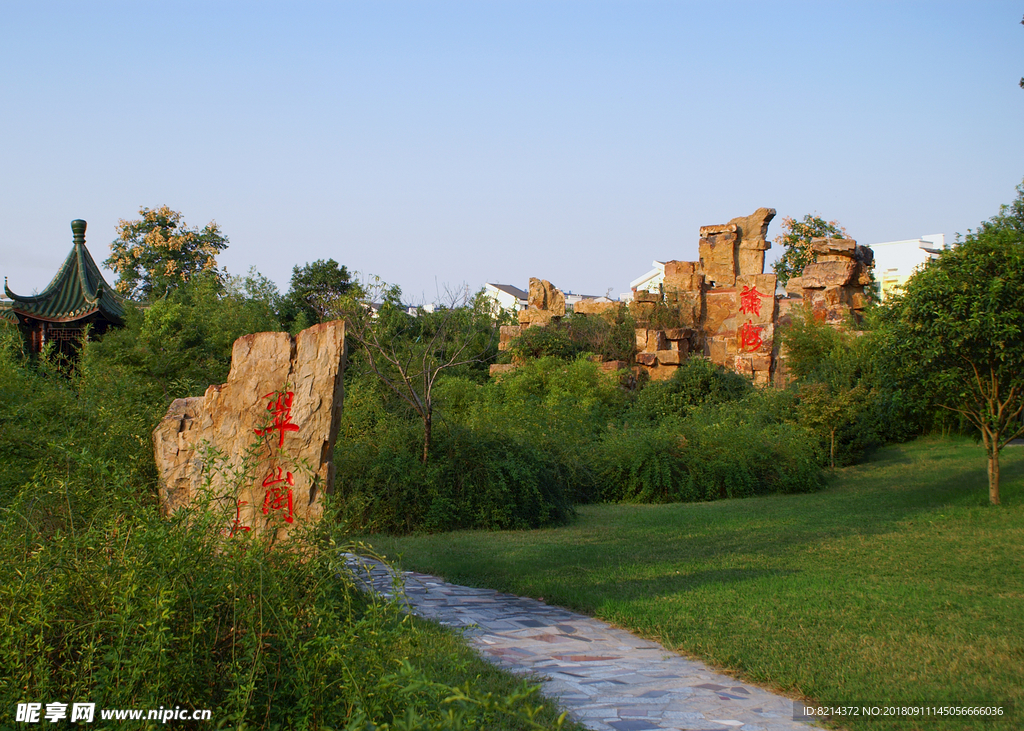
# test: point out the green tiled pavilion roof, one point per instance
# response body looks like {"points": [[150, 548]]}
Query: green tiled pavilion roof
{"points": [[78, 290]]}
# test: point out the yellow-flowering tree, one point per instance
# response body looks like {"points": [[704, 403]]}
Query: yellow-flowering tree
{"points": [[795, 240], [155, 253]]}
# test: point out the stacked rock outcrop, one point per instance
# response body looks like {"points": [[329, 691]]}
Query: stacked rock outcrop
{"points": [[724, 306], [735, 248], [833, 286]]}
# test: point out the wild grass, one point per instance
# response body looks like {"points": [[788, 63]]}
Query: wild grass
{"points": [[897, 585]]}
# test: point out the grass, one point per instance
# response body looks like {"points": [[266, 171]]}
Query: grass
{"points": [[897, 585]]}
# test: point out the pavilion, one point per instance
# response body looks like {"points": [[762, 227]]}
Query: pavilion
{"points": [[77, 297]]}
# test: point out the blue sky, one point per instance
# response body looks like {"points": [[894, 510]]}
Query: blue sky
{"points": [[445, 143]]}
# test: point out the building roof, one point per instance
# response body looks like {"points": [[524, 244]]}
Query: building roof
{"points": [[77, 291], [509, 289]]}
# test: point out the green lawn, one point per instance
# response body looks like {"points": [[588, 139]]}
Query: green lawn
{"points": [[897, 585]]}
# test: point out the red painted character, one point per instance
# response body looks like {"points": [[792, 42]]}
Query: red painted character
{"points": [[236, 524], [750, 301], [279, 495], [750, 338], [281, 409]]}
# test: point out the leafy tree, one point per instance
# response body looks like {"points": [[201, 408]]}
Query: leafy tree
{"points": [[316, 290], [181, 343], [409, 352], [957, 332], [796, 240], [844, 393], [158, 252]]}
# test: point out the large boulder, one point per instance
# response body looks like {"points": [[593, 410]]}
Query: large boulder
{"points": [[258, 449]]}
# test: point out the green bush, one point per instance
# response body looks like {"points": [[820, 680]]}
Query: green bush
{"points": [[736, 449], [574, 335], [476, 478], [696, 382], [181, 343], [846, 390]]}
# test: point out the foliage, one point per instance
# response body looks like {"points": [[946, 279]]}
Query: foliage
{"points": [[844, 389], [103, 600], [158, 252], [795, 239], [316, 292], [552, 341], [696, 382], [492, 464], [576, 334], [731, 449], [957, 331], [409, 353], [181, 343], [476, 479]]}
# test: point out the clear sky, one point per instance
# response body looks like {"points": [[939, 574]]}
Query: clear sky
{"points": [[450, 143]]}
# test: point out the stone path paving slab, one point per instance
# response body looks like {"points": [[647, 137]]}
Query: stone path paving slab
{"points": [[607, 678]]}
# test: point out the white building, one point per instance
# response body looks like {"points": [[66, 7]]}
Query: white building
{"points": [[895, 261], [506, 297], [649, 282]]}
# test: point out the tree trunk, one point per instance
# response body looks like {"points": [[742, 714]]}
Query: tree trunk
{"points": [[428, 418], [993, 473]]}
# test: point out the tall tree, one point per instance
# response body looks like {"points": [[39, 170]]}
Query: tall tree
{"points": [[410, 352], [796, 241], [155, 253], [958, 331], [316, 291]]}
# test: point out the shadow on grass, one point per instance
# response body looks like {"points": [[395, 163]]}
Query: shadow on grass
{"points": [[666, 585], [780, 525]]}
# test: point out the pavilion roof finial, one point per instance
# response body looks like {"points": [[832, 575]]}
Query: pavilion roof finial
{"points": [[78, 229]]}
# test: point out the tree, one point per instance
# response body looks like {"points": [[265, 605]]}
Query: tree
{"points": [[958, 331], [409, 352], [316, 290], [796, 240], [181, 343], [156, 253]]}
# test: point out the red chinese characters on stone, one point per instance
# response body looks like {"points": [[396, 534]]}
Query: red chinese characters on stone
{"points": [[236, 524], [750, 301], [750, 338], [280, 407], [279, 493]]}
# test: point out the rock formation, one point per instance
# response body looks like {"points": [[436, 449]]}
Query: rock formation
{"points": [[262, 443], [724, 306]]}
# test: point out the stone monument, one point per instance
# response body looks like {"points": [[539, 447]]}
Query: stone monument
{"points": [[259, 448]]}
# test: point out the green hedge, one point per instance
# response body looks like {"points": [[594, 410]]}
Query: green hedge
{"points": [[718, 451]]}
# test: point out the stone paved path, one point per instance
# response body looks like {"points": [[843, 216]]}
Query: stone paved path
{"points": [[607, 678]]}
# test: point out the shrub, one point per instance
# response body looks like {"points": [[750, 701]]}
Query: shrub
{"points": [[846, 391], [737, 449], [697, 382], [476, 478], [575, 335]]}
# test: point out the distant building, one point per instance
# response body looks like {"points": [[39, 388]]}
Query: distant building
{"points": [[895, 261], [649, 282], [77, 297], [571, 298], [506, 297]]}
